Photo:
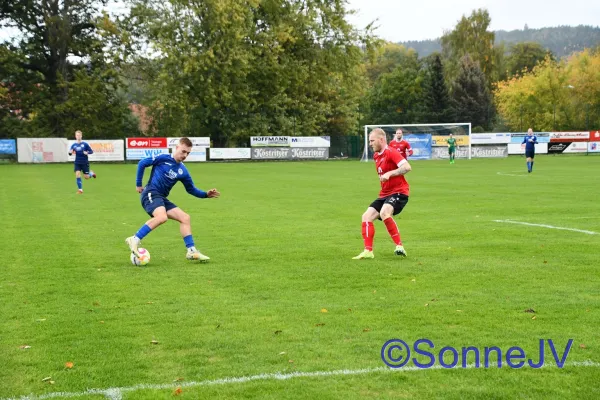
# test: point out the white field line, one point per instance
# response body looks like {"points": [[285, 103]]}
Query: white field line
{"points": [[508, 221], [117, 393], [505, 174]]}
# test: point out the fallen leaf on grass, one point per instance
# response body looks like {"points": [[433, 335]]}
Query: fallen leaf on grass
{"points": [[545, 262], [282, 353], [24, 347], [177, 391], [321, 324], [582, 346], [324, 310], [351, 310], [69, 365], [178, 379], [534, 317], [426, 304], [366, 330], [46, 379], [530, 310], [40, 320], [291, 361], [277, 332], [154, 342]]}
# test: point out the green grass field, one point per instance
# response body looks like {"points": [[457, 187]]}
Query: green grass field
{"points": [[281, 293]]}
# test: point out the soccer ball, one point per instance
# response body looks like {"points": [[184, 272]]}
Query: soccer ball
{"points": [[143, 259]]}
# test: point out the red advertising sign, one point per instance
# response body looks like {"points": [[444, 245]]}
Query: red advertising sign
{"points": [[595, 136], [147, 143]]}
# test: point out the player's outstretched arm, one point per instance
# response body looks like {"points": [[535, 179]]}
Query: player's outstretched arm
{"points": [[142, 165]]}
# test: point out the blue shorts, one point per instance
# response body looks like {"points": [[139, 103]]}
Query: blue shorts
{"points": [[83, 167], [151, 200], [529, 153]]}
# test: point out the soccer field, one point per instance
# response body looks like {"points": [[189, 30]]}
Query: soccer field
{"points": [[281, 310]]}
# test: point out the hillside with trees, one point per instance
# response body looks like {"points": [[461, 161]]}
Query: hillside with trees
{"points": [[561, 40]]}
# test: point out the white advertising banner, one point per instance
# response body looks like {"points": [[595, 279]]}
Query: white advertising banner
{"points": [[490, 151], [310, 141], [576, 147], [196, 141], [199, 145], [138, 154], [490, 138], [569, 136], [230, 154], [269, 141], [104, 150], [594, 147], [44, 150], [516, 148]]}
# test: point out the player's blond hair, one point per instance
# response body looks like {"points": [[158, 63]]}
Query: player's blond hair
{"points": [[378, 132]]}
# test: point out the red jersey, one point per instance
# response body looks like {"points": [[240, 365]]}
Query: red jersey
{"points": [[386, 161], [402, 146]]}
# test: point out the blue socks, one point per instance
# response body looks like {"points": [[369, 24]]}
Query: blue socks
{"points": [[144, 230], [79, 186], [189, 241], [529, 166]]}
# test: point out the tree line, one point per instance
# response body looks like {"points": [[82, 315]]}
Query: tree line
{"points": [[231, 69], [560, 40]]}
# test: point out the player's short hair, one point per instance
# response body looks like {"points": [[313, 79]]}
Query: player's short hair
{"points": [[78, 131], [378, 132], [186, 142], [400, 129]]}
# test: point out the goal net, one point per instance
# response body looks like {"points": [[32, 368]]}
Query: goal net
{"points": [[428, 141]]}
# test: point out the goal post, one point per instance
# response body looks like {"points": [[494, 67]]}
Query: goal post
{"points": [[429, 141]]}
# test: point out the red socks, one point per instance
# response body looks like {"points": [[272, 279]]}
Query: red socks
{"points": [[392, 228], [368, 232]]}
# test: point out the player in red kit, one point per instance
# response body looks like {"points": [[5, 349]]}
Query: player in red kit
{"points": [[391, 168], [400, 144]]}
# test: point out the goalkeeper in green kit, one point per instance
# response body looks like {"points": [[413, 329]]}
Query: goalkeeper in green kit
{"points": [[451, 148]]}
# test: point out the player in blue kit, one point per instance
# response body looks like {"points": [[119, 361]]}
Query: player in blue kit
{"points": [[81, 150], [529, 142], [167, 170]]}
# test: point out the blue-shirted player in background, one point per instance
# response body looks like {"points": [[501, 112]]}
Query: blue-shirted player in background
{"points": [[81, 150], [530, 141], [167, 170]]}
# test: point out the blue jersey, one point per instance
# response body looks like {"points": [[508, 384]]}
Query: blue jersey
{"points": [[78, 149], [166, 172], [530, 142]]}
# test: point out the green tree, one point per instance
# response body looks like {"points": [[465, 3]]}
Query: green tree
{"points": [[471, 36], [471, 98], [397, 96], [524, 56], [437, 107], [58, 40], [230, 69]]}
